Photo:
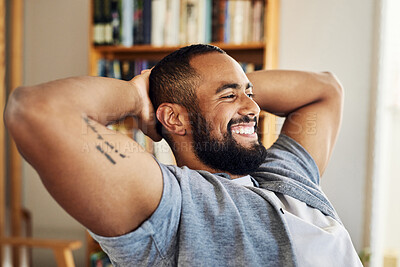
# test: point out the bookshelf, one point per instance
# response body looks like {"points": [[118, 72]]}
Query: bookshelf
{"points": [[2, 129], [263, 52]]}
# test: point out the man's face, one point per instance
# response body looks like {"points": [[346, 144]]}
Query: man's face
{"points": [[224, 131]]}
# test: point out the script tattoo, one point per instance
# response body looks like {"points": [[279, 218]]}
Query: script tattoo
{"points": [[106, 143], [105, 154]]}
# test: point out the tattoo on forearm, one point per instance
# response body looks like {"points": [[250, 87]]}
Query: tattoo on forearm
{"points": [[105, 154], [86, 119], [108, 144]]}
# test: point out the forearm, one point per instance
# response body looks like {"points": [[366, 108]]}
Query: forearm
{"points": [[102, 99], [312, 103], [281, 92], [46, 111]]}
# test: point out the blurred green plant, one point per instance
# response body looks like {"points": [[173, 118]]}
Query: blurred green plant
{"points": [[365, 256]]}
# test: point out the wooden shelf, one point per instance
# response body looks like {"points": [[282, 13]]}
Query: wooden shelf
{"points": [[150, 48], [249, 52]]}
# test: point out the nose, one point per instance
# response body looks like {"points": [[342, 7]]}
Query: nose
{"points": [[248, 106]]}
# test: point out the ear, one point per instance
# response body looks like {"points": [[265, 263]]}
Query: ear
{"points": [[172, 118]]}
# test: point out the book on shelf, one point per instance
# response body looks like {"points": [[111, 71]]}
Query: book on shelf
{"points": [[218, 20], [138, 29], [122, 69], [237, 17], [177, 22], [172, 20], [127, 22], [183, 21], [208, 21], [147, 22], [116, 21], [258, 18], [158, 10], [103, 22], [227, 21], [108, 28], [247, 15], [98, 22]]}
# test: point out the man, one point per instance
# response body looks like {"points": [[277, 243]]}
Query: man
{"points": [[229, 202]]}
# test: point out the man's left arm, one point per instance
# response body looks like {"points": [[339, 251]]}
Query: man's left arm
{"points": [[311, 102]]}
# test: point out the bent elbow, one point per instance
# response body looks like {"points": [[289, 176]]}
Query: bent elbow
{"points": [[14, 109], [19, 108], [335, 88]]}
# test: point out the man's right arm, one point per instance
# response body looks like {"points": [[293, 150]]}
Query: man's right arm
{"points": [[100, 177]]}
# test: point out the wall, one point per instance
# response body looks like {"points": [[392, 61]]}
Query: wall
{"points": [[56, 46], [392, 219], [337, 36], [387, 216], [315, 35]]}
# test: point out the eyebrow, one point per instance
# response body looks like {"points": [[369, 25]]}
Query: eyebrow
{"points": [[235, 86]]}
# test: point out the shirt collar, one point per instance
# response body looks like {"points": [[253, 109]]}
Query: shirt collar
{"points": [[242, 180]]}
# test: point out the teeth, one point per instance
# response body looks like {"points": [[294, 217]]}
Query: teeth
{"points": [[244, 130]]}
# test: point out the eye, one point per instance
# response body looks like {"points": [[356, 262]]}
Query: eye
{"points": [[251, 95], [229, 96]]}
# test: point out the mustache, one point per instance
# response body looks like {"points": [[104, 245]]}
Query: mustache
{"points": [[244, 119]]}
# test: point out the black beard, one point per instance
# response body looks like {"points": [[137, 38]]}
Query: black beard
{"points": [[225, 155]]}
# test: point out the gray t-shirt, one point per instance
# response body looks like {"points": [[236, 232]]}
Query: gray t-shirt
{"points": [[205, 219]]}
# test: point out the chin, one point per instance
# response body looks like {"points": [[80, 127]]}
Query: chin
{"points": [[246, 143]]}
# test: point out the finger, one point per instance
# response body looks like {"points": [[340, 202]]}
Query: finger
{"points": [[145, 71]]}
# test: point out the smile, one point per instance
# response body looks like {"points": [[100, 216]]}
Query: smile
{"points": [[243, 129]]}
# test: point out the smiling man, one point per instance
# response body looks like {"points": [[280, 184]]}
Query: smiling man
{"points": [[229, 202]]}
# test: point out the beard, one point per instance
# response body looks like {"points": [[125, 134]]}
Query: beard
{"points": [[225, 154]]}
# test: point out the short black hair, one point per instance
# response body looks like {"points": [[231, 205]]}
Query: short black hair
{"points": [[173, 79]]}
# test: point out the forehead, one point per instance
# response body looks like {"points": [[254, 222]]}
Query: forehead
{"points": [[216, 69]]}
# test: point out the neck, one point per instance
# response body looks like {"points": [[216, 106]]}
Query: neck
{"points": [[191, 161]]}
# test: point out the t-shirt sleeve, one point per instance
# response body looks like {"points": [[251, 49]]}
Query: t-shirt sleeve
{"points": [[288, 158], [154, 240]]}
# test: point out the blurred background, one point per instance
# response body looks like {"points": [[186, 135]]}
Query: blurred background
{"points": [[357, 40]]}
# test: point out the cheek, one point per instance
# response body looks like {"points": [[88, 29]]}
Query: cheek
{"points": [[222, 119], [219, 116]]}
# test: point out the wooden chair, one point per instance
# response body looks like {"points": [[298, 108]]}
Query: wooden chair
{"points": [[62, 249]]}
